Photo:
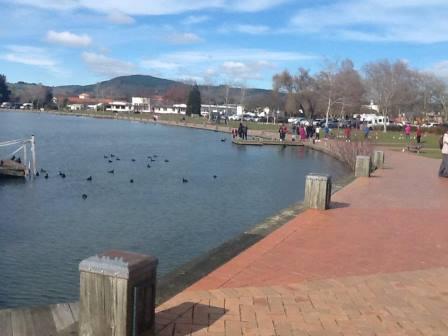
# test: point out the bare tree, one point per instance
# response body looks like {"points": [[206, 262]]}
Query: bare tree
{"points": [[390, 85]]}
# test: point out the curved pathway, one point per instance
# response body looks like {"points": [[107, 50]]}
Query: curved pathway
{"points": [[374, 264]]}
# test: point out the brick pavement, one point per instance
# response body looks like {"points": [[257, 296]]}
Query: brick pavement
{"points": [[375, 264], [405, 303]]}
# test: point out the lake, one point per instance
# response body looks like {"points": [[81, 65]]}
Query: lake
{"points": [[47, 228]]}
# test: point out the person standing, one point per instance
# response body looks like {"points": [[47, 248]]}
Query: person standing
{"points": [[443, 171], [245, 130], [407, 133], [366, 132], [418, 135], [347, 133], [317, 132]]}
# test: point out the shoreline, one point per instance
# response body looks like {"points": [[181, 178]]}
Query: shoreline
{"points": [[185, 275]]}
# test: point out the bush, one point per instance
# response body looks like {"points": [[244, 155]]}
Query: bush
{"points": [[348, 151]]}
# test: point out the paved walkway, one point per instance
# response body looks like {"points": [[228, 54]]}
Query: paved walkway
{"points": [[372, 265]]}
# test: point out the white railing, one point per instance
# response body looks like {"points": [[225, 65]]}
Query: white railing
{"points": [[25, 145]]}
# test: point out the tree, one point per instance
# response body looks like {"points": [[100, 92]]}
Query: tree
{"points": [[4, 90], [194, 101], [390, 85]]}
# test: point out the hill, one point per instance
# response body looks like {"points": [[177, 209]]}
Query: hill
{"points": [[125, 87]]}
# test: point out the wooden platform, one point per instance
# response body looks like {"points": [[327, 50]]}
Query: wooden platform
{"points": [[266, 142], [12, 168], [55, 320]]}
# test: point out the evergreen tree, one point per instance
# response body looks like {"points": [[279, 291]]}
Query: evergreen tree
{"points": [[194, 101], [4, 90]]}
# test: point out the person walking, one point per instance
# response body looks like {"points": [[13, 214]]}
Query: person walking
{"points": [[443, 171], [407, 133], [418, 135], [317, 132], [366, 132]]}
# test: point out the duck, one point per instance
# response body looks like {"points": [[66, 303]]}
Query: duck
{"points": [[214, 176], [111, 171], [167, 160], [37, 174], [148, 166], [117, 159], [223, 140], [89, 178], [155, 155], [43, 170], [112, 155], [63, 175], [131, 181], [84, 196], [152, 160], [46, 176], [106, 157], [110, 161], [184, 180], [133, 160]]}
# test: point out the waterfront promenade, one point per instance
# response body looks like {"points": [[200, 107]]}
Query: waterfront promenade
{"points": [[375, 264]]}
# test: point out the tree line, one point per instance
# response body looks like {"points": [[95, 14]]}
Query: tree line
{"points": [[340, 90]]}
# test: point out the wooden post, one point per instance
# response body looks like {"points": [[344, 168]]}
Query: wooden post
{"points": [[378, 159], [318, 191], [363, 166], [117, 294]]}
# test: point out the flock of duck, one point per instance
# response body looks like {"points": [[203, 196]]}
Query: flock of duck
{"points": [[110, 159]]}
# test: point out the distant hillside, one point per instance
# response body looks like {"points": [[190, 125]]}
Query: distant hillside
{"points": [[141, 85]]}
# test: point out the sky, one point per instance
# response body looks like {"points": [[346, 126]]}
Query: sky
{"points": [[235, 42]]}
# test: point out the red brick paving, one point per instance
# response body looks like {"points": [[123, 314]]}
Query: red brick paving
{"points": [[375, 264], [396, 220]]}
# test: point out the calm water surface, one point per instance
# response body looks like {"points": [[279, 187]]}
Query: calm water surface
{"points": [[46, 228]]}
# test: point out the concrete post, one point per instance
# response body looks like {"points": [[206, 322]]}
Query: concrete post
{"points": [[378, 159], [317, 191], [363, 166], [117, 294]]}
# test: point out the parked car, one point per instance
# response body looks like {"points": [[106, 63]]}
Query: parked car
{"points": [[235, 117]]}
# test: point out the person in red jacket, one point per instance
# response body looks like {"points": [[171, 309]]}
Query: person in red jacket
{"points": [[418, 135], [347, 134]]}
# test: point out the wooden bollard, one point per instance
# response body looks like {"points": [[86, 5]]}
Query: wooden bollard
{"points": [[378, 159], [317, 191], [363, 166], [117, 294]]}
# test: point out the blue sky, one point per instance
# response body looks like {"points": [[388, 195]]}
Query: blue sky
{"points": [[234, 42]]}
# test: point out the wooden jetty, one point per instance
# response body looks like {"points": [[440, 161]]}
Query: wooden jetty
{"points": [[12, 168], [23, 167], [266, 142]]}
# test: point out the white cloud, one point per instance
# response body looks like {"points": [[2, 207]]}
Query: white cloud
{"points": [[30, 56], [153, 7], [183, 38], [106, 66], [412, 21], [221, 65], [246, 29], [159, 65], [195, 19], [68, 39], [440, 69], [118, 17]]}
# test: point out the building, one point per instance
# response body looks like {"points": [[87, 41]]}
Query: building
{"points": [[120, 106], [141, 105]]}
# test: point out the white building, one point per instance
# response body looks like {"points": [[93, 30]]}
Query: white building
{"points": [[165, 110], [141, 104], [120, 106]]}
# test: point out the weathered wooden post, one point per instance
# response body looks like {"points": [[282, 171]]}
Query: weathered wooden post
{"points": [[318, 191], [378, 159], [117, 294], [363, 166]]}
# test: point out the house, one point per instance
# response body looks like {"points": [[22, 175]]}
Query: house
{"points": [[141, 104], [120, 106]]}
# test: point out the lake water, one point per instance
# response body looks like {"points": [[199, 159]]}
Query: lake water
{"points": [[46, 228]]}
